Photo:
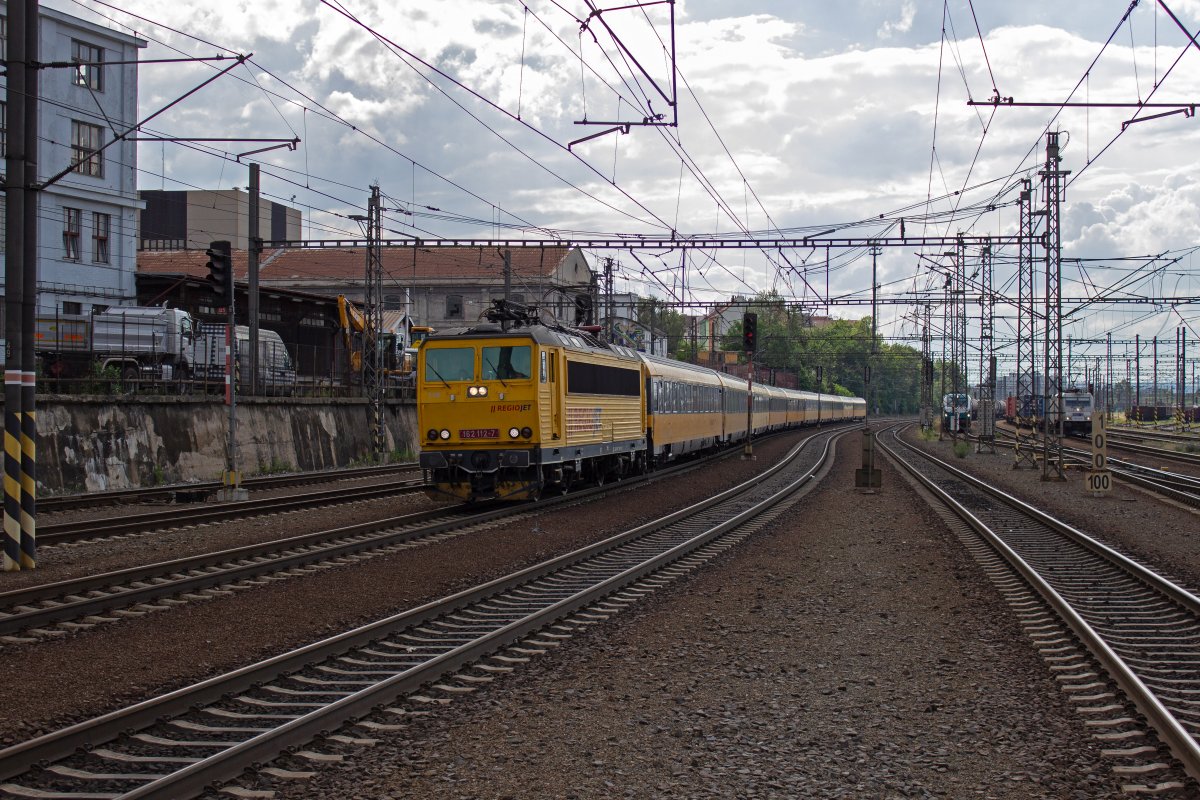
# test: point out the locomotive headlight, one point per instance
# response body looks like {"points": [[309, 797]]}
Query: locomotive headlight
{"points": [[483, 391], [432, 434], [527, 432], [513, 433], [445, 434], [473, 391]]}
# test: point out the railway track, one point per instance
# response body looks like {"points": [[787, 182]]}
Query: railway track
{"points": [[184, 742], [78, 530], [1176, 486], [1123, 640], [49, 610], [185, 492]]}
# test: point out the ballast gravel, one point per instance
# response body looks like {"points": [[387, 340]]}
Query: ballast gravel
{"points": [[853, 650]]}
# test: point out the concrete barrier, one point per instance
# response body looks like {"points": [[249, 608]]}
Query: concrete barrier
{"points": [[99, 443]]}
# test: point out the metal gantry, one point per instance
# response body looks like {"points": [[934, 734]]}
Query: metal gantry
{"points": [[1052, 433]]}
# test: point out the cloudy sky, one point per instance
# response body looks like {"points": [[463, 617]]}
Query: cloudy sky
{"points": [[794, 117]]}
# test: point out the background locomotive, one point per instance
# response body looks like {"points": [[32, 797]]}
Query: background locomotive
{"points": [[1078, 406], [516, 413]]}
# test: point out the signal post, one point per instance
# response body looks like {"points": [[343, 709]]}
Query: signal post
{"points": [[220, 272], [749, 340]]}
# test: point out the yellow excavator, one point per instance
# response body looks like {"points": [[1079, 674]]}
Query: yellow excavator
{"points": [[353, 322], [354, 330]]}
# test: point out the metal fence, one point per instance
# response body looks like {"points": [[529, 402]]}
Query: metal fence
{"points": [[122, 354]]}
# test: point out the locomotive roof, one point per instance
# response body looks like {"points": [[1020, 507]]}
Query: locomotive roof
{"points": [[555, 337]]}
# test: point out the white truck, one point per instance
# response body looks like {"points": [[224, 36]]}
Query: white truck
{"points": [[151, 343], [276, 373]]}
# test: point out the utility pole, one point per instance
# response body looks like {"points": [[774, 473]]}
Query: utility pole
{"points": [[1052, 180], [253, 248]]}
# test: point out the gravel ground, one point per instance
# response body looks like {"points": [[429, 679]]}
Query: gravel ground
{"points": [[854, 650], [115, 664]]}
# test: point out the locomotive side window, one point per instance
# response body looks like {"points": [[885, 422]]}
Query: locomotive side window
{"points": [[450, 364], [506, 363]]}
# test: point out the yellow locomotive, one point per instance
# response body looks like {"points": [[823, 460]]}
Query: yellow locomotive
{"points": [[518, 413]]}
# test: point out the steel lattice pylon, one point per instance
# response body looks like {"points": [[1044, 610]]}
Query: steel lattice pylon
{"points": [[962, 382], [1180, 376], [372, 360], [986, 441], [1052, 433], [926, 370], [1023, 453]]}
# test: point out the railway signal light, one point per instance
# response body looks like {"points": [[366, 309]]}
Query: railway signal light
{"points": [[749, 331], [220, 267]]}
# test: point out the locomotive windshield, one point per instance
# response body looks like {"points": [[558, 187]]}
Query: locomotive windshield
{"points": [[506, 363], [1077, 403], [450, 364]]}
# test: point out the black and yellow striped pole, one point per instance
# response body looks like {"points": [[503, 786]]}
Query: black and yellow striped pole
{"points": [[14, 278], [29, 297]]}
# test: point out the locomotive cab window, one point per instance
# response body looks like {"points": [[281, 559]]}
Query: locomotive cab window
{"points": [[450, 364], [506, 363]]}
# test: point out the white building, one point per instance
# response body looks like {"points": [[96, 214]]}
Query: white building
{"points": [[87, 220]]}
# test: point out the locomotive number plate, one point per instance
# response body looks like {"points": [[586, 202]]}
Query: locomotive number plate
{"points": [[480, 433]]}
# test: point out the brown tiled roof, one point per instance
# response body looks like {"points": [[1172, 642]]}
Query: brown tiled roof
{"points": [[346, 266]]}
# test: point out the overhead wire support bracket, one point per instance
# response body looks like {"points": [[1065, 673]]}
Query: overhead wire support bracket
{"points": [[622, 127], [652, 119], [1187, 112]]}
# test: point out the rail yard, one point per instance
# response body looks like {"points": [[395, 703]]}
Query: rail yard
{"points": [[846, 644]]}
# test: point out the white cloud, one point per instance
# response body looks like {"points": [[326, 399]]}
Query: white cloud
{"points": [[908, 12]]}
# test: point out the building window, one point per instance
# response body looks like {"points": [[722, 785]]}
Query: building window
{"points": [[72, 307], [3, 129], [454, 306], [85, 146], [89, 72], [3, 38], [100, 227], [393, 302], [72, 226]]}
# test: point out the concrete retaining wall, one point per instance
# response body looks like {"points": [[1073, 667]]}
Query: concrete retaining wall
{"points": [[93, 444]]}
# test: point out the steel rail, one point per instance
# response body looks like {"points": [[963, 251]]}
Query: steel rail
{"points": [[62, 532], [1180, 488], [96, 595], [616, 562], [1184, 747]]}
